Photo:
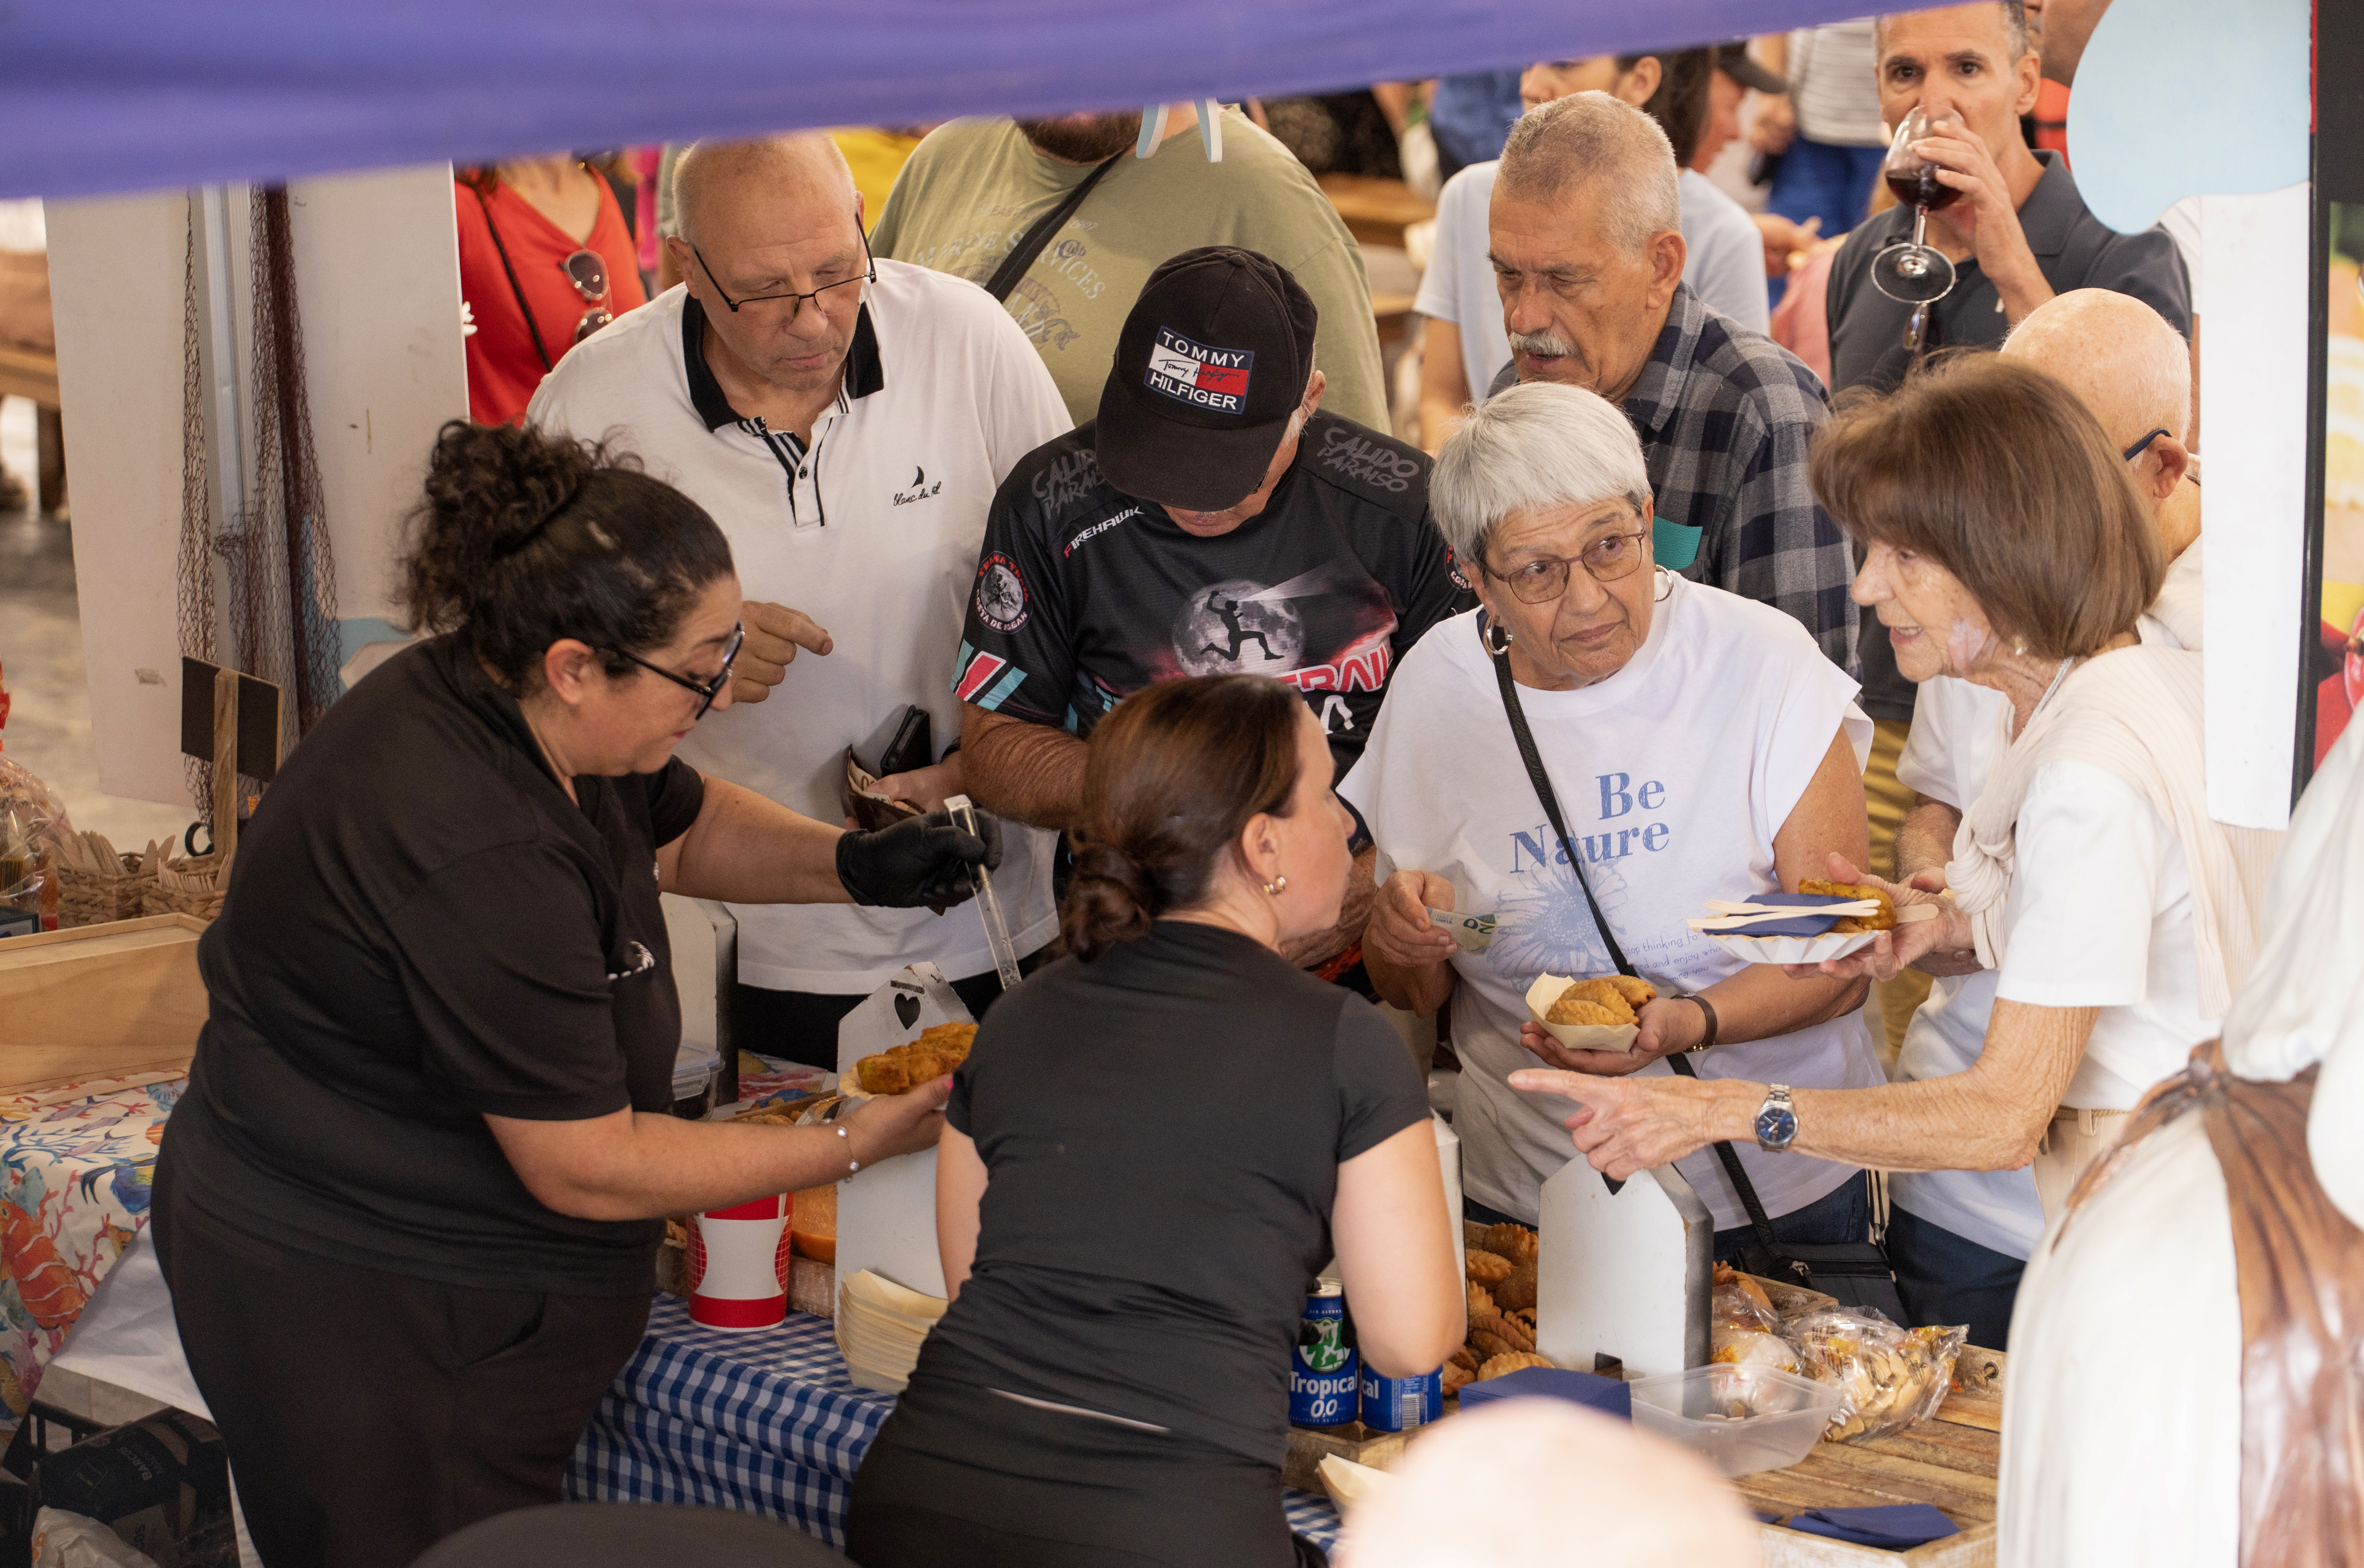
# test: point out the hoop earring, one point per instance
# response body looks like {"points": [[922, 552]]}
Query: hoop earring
{"points": [[1276, 886], [1493, 629], [1666, 586]]}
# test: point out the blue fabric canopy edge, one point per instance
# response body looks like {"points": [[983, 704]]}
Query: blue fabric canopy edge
{"points": [[144, 94]]}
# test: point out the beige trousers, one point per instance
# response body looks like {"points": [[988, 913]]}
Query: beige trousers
{"points": [[2074, 1141]]}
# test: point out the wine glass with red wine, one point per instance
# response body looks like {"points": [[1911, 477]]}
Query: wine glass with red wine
{"points": [[1911, 272]]}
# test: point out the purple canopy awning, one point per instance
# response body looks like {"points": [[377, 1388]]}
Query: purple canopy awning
{"points": [[140, 94]]}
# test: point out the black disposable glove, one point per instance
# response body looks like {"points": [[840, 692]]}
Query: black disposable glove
{"points": [[917, 863]]}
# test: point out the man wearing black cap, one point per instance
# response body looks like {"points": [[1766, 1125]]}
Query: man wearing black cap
{"points": [[1211, 521]]}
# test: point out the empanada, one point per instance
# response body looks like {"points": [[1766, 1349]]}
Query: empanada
{"points": [[1487, 1267], [1481, 1304], [1575, 1010], [1633, 988], [1848, 925], [1516, 1361], [1513, 1241], [1606, 993]]}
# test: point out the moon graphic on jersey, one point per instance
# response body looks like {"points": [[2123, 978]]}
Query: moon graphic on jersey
{"points": [[1239, 628]]}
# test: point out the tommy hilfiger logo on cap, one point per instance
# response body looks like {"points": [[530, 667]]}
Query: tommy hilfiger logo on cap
{"points": [[1193, 372]]}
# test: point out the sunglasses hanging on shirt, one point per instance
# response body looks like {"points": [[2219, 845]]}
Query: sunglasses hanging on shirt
{"points": [[586, 268]]}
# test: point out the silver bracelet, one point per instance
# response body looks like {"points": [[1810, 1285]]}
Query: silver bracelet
{"points": [[852, 1164]]}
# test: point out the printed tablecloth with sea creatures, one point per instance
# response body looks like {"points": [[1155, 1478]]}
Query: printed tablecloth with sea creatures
{"points": [[76, 1163]]}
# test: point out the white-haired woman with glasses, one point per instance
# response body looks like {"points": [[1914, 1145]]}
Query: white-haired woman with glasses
{"points": [[1700, 746]]}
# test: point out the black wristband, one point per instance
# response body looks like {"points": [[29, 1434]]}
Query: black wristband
{"points": [[1707, 1009]]}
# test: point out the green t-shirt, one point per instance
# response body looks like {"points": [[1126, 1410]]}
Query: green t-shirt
{"points": [[974, 187]]}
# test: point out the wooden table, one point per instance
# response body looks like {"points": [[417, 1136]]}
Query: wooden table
{"points": [[1377, 211]]}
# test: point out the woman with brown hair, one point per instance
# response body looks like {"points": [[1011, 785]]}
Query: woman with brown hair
{"points": [[1154, 1146], [2004, 543]]}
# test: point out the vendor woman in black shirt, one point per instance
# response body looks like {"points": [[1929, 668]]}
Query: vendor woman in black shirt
{"points": [[411, 1203], [1154, 1146]]}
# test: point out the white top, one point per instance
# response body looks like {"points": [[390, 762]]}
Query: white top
{"points": [[877, 540], [1835, 85], [1724, 264], [1459, 284], [1675, 772], [2106, 1465], [1946, 758], [2101, 916], [1956, 728]]}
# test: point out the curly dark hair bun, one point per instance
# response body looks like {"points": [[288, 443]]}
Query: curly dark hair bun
{"points": [[1170, 781], [522, 539]]}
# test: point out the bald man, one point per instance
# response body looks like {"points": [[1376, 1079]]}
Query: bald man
{"points": [[1958, 1238], [847, 422]]}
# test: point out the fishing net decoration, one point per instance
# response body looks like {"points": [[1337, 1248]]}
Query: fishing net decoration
{"points": [[279, 577]]}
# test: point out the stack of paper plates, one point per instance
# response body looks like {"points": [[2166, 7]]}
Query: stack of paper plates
{"points": [[880, 1326]]}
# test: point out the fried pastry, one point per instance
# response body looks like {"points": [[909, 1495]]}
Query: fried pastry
{"points": [[1568, 1011], [1517, 1291], [1462, 1358], [1487, 1267], [1517, 1360], [1481, 1304], [1456, 1377], [1601, 993], [1511, 1336], [1848, 925], [1633, 988], [1515, 1243]]}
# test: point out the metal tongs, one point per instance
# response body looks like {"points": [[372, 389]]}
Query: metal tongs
{"points": [[997, 930]]}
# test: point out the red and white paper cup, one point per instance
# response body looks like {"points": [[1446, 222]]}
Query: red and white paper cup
{"points": [[738, 1265]]}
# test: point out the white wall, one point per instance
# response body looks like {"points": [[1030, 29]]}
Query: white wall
{"points": [[378, 285]]}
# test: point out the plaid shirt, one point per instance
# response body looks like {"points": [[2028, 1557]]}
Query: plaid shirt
{"points": [[1725, 415]]}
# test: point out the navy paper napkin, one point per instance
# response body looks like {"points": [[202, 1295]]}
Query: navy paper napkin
{"points": [[1894, 1527], [1803, 926], [1606, 1394]]}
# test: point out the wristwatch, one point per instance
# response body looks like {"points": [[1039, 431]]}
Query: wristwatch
{"points": [[1707, 1012], [1777, 1122]]}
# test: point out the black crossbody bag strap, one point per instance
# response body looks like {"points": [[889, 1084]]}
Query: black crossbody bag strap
{"points": [[523, 308], [1543, 792], [1030, 244]]}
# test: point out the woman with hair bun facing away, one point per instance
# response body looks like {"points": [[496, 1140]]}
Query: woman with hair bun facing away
{"points": [[409, 1205], [1152, 1147]]}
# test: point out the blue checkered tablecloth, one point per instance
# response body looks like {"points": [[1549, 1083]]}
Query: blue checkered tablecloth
{"points": [[763, 1422]]}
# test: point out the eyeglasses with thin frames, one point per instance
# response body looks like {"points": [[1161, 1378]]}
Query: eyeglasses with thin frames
{"points": [[707, 690], [868, 275], [1608, 558], [2143, 446]]}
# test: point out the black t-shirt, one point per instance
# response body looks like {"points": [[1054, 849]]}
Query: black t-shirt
{"points": [[1161, 1129], [1085, 596], [422, 929], [2073, 250]]}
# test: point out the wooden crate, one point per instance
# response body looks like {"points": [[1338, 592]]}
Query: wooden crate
{"points": [[120, 997]]}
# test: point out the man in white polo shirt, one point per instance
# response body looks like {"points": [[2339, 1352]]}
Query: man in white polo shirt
{"points": [[846, 422]]}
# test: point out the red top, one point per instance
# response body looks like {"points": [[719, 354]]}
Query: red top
{"points": [[2052, 119], [502, 368]]}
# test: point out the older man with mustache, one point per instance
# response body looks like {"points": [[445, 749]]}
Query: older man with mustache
{"points": [[1588, 250]]}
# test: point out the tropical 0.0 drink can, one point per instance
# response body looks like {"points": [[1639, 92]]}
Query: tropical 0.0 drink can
{"points": [[1400, 1404], [1324, 1371]]}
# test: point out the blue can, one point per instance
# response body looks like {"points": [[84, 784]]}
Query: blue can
{"points": [[1324, 1371], [1400, 1404]]}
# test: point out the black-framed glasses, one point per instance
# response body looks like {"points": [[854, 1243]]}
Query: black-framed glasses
{"points": [[1608, 558], [707, 690], [868, 275], [587, 271], [2143, 446]]}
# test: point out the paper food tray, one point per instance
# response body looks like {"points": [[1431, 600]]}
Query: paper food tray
{"points": [[1349, 1483], [1808, 950], [1574, 1037], [877, 1290]]}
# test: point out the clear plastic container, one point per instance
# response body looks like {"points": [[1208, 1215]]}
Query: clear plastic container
{"points": [[1742, 1418]]}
